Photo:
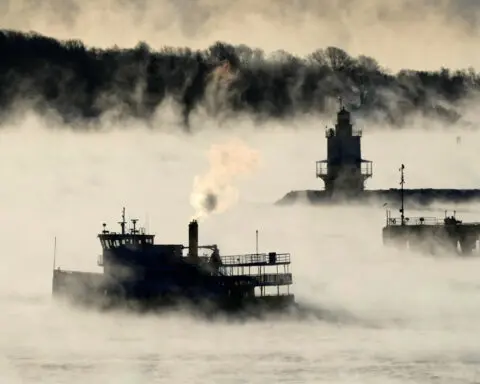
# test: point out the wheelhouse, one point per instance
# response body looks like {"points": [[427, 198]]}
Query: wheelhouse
{"points": [[132, 237]]}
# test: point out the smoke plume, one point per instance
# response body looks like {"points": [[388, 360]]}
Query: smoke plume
{"points": [[214, 191], [80, 85]]}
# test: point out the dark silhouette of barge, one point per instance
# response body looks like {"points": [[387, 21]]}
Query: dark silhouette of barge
{"points": [[139, 274], [430, 234]]}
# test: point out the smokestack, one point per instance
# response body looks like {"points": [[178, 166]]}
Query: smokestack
{"points": [[193, 239]]}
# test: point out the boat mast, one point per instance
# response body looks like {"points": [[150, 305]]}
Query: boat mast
{"points": [[123, 222], [402, 182]]}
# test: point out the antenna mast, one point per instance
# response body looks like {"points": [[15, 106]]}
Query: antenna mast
{"points": [[123, 222], [134, 222], [402, 182], [256, 241]]}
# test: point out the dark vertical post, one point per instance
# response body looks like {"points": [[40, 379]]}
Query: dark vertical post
{"points": [[402, 182], [123, 222]]}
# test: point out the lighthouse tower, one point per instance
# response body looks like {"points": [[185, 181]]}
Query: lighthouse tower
{"points": [[344, 172]]}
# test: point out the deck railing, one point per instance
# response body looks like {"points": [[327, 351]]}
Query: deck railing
{"points": [[274, 279], [263, 280], [415, 221], [256, 259]]}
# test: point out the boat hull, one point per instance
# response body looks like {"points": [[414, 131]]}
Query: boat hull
{"points": [[97, 291]]}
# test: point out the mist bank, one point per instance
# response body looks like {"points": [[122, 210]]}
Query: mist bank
{"points": [[418, 198], [82, 85]]}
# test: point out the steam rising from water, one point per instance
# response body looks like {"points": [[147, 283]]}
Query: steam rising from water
{"points": [[214, 191], [84, 86], [395, 33], [376, 312], [383, 316]]}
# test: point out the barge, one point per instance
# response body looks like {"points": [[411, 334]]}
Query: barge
{"points": [[138, 273], [430, 234]]}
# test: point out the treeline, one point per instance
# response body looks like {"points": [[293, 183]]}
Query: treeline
{"points": [[81, 83]]}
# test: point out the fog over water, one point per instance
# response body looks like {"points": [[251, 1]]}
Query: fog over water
{"points": [[380, 315]]}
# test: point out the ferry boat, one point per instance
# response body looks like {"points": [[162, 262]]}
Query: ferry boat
{"points": [[138, 273]]}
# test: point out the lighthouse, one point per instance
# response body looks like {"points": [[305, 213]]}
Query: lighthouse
{"points": [[344, 172]]}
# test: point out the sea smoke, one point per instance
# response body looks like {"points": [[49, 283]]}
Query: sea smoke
{"points": [[80, 85]]}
